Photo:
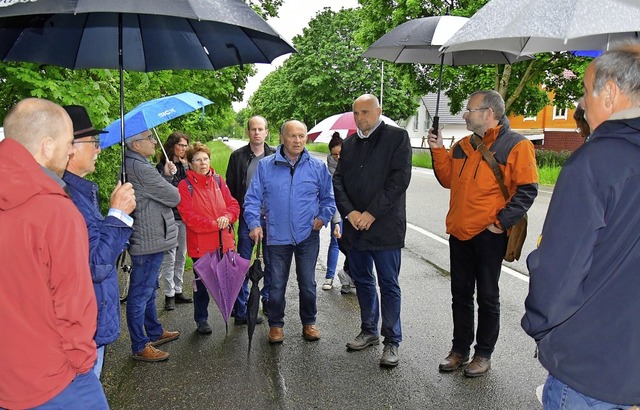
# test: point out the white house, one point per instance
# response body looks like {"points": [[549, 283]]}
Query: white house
{"points": [[453, 126]]}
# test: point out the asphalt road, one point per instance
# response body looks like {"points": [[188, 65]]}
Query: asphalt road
{"points": [[216, 372]]}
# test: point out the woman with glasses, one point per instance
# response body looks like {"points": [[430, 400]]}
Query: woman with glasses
{"points": [[207, 207], [172, 268]]}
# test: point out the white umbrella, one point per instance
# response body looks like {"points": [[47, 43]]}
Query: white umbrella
{"points": [[535, 26], [343, 123]]}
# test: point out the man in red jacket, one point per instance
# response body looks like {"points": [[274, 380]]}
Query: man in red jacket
{"points": [[46, 298]]}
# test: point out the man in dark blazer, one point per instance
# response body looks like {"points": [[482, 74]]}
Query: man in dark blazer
{"points": [[370, 183]]}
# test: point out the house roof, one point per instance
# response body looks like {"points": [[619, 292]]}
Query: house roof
{"points": [[446, 117]]}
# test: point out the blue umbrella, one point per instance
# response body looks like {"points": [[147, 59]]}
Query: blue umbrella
{"points": [[152, 113]]}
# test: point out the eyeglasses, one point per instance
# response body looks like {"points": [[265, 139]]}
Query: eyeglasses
{"points": [[96, 143], [201, 160], [182, 145], [470, 110]]}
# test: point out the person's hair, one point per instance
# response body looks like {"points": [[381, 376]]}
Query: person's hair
{"points": [[256, 117], [284, 125], [621, 64], [336, 141], [492, 99], [195, 148], [172, 140], [137, 137], [31, 120]]}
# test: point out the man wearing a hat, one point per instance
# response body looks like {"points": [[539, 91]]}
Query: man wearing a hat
{"points": [[107, 235]]}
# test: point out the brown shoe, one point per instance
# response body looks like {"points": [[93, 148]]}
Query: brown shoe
{"points": [[453, 362], [165, 337], [310, 333], [276, 335], [479, 366], [150, 354]]}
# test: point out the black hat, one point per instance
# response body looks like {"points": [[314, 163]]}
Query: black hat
{"points": [[82, 126]]}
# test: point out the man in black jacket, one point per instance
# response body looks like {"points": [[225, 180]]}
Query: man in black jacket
{"points": [[242, 164], [370, 183]]}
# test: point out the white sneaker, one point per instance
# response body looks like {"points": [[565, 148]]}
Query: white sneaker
{"points": [[328, 284]]}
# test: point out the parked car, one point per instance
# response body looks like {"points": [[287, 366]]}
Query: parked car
{"points": [[225, 139]]}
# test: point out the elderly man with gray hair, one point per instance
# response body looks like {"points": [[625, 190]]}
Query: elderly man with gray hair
{"points": [[582, 305], [154, 232]]}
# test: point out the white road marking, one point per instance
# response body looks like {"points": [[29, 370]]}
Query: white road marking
{"points": [[433, 236]]}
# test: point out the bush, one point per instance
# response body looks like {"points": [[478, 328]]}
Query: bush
{"points": [[551, 159]]}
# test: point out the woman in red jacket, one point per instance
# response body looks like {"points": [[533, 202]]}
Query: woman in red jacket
{"points": [[206, 207]]}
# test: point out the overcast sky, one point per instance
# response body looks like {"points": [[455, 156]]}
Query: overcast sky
{"points": [[293, 16]]}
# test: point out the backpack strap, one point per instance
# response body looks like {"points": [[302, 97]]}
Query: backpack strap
{"points": [[190, 186], [488, 156]]}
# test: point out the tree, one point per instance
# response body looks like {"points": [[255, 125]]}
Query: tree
{"points": [[523, 85], [327, 74]]}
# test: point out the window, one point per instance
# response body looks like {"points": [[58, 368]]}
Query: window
{"points": [[529, 117], [559, 113], [427, 121], [416, 121]]}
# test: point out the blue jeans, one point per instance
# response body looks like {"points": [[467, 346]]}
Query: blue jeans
{"points": [[245, 249], [200, 298], [387, 264], [306, 254], [142, 317], [333, 253], [557, 395], [476, 263], [84, 392]]}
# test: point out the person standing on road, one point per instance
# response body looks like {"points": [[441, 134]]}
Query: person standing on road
{"points": [[478, 220], [294, 190], [108, 235], [242, 165], [173, 260], [335, 243], [370, 185], [582, 305], [47, 300], [207, 208], [154, 232]]}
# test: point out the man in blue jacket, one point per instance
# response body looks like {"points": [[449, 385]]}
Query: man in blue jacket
{"points": [[582, 304], [370, 185], [107, 236], [295, 191]]}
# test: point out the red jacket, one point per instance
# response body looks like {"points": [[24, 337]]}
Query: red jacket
{"points": [[200, 206], [47, 303]]}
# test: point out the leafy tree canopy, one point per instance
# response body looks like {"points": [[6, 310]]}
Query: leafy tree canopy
{"points": [[327, 74]]}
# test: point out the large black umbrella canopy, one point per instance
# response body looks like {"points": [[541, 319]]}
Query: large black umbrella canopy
{"points": [[139, 35], [420, 41]]}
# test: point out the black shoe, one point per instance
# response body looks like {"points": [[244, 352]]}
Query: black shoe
{"points": [[363, 340], [181, 298], [169, 303], [204, 328], [264, 307], [389, 356], [243, 320]]}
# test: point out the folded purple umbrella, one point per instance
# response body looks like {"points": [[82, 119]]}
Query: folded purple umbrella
{"points": [[222, 274]]}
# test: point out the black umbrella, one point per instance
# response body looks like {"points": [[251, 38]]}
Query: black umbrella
{"points": [[139, 35], [254, 274], [420, 40]]}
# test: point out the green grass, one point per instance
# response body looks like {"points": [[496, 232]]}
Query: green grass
{"points": [[548, 175], [220, 154], [318, 147], [422, 159]]}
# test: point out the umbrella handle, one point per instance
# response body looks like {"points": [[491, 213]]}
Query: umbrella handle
{"points": [[162, 146], [259, 250], [436, 123]]}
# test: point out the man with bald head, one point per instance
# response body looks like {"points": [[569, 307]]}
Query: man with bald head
{"points": [[582, 304], [47, 299], [370, 183], [294, 191]]}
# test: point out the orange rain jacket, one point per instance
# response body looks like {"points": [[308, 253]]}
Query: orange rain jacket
{"points": [[476, 199]]}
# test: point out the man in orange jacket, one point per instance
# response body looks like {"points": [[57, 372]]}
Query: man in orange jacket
{"points": [[478, 220]]}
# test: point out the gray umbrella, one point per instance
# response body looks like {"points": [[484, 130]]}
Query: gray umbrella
{"points": [[534, 26], [420, 40], [140, 35]]}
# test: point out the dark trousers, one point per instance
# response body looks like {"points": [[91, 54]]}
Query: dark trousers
{"points": [[476, 262]]}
